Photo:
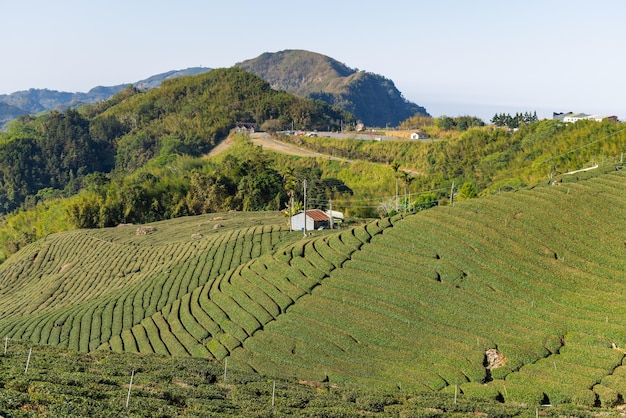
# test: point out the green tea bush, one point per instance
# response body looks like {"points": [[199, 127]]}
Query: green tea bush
{"points": [[116, 344], [351, 240], [477, 390], [152, 332], [256, 275], [308, 269], [316, 259], [361, 233], [246, 303], [229, 341], [297, 248], [187, 319], [191, 345], [521, 392], [240, 322], [327, 253], [200, 315], [376, 403], [336, 243], [143, 341], [11, 400], [217, 349], [608, 397], [290, 281], [128, 341]]}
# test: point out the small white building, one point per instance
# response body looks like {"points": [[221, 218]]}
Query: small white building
{"points": [[336, 215], [315, 219], [419, 135]]}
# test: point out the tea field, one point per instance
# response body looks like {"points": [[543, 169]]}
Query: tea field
{"points": [[514, 300], [58, 383]]}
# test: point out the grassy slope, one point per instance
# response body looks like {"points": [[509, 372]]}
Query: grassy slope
{"points": [[411, 302], [536, 275]]}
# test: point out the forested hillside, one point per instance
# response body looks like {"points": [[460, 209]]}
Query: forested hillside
{"points": [[137, 156], [486, 159], [155, 180], [40, 100], [185, 116]]}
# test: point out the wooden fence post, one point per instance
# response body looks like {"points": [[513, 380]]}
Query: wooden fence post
{"points": [[28, 360], [130, 385]]}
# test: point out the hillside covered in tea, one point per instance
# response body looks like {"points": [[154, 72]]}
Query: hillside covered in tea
{"points": [[513, 297]]}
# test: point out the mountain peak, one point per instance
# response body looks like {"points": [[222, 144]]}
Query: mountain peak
{"points": [[370, 97]]}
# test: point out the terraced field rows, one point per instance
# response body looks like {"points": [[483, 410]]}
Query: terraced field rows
{"points": [[100, 288], [502, 297], [218, 317], [423, 301]]}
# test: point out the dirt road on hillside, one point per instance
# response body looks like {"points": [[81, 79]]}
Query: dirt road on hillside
{"points": [[268, 143], [265, 141]]}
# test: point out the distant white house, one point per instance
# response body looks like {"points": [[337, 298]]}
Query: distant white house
{"points": [[315, 219], [419, 135]]}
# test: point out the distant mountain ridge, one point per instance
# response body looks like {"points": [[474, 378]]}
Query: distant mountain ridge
{"points": [[39, 100], [370, 97]]}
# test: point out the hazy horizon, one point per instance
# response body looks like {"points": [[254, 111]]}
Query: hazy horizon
{"points": [[561, 54]]}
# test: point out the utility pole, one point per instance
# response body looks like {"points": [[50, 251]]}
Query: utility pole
{"points": [[291, 210], [408, 202], [304, 185], [452, 194], [405, 203], [396, 192], [330, 210]]}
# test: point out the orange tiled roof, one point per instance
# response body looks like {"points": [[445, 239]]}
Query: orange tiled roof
{"points": [[317, 215]]}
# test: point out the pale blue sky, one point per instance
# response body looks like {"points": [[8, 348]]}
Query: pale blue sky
{"points": [[453, 57]]}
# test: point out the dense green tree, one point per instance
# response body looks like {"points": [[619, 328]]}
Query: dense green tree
{"points": [[186, 116], [445, 122], [513, 122], [424, 201], [467, 191], [208, 193], [460, 123], [21, 173]]}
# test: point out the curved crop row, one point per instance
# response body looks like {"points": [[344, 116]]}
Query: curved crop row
{"points": [[457, 281], [104, 298], [223, 314]]}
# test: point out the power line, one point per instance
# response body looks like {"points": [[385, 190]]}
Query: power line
{"points": [[584, 146]]}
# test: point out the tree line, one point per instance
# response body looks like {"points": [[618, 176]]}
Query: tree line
{"points": [[514, 122]]}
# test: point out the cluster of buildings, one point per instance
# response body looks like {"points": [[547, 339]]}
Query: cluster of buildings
{"points": [[571, 117]]}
